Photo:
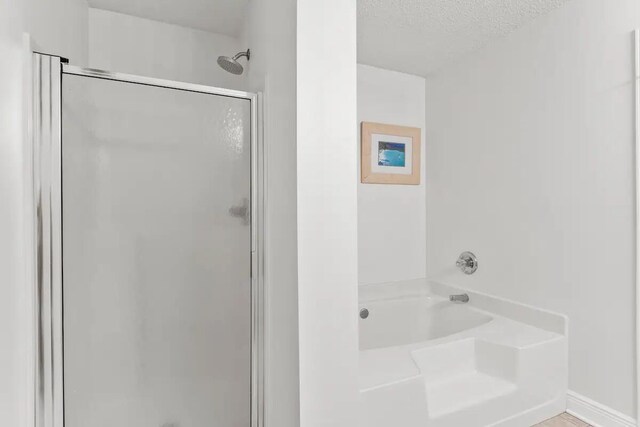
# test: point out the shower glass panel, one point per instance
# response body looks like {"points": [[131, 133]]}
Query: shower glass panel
{"points": [[156, 244]]}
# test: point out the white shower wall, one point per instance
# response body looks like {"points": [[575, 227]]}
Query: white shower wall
{"points": [[124, 43], [530, 166], [391, 218], [128, 44]]}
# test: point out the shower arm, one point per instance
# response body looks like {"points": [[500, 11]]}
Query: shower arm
{"points": [[246, 54]]}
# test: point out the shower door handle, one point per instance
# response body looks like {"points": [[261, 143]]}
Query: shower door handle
{"points": [[242, 211]]}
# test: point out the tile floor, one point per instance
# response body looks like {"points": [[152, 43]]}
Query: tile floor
{"points": [[563, 420]]}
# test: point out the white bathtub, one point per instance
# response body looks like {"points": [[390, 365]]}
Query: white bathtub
{"points": [[428, 362], [411, 319]]}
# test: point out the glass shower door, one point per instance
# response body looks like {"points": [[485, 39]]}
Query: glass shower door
{"points": [[156, 256]]}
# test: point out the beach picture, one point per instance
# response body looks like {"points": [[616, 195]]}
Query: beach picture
{"points": [[391, 154]]}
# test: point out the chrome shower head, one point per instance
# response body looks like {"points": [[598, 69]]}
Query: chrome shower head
{"points": [[231, 64]]}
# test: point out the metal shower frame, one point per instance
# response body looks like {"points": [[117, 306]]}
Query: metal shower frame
{"points": [[636, 95], [46, 144]]}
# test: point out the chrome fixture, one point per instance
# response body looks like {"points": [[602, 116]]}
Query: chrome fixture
{"points": [[467, 262], [459, 298], [231, 64], [364, 313]]}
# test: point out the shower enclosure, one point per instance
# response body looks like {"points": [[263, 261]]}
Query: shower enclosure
{"points": [[148, 251]]}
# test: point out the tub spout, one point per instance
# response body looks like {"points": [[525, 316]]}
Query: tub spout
{"points": [[459, 298]]}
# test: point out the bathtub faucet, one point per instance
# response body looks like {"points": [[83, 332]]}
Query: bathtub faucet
{"points": [[459, 298]]}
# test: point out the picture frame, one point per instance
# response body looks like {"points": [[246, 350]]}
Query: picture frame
{"points": [[390, 154]]}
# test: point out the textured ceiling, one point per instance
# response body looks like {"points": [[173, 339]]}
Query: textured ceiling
{"points": [[216, 16], [420, 36]]}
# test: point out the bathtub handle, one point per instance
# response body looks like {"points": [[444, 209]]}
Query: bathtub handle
{"points": [[467, 262]]}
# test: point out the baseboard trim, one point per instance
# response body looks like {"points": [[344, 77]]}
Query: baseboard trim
{"points": [[596, 414]]}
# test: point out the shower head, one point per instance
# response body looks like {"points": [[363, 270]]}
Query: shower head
{"points": [[231, 64]]}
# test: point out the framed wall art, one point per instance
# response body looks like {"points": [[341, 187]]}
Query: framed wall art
{"points": [[389, 154]]}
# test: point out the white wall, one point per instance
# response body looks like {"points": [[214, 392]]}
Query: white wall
{"points": [[271, 32], [58, 28], [13, 321], [530, 166], [128, 44], [391, 218], [327, 212]]}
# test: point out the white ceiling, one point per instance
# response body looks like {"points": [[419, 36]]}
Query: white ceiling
{"points": [[420, 36], [413, 36], [216, 16]]}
